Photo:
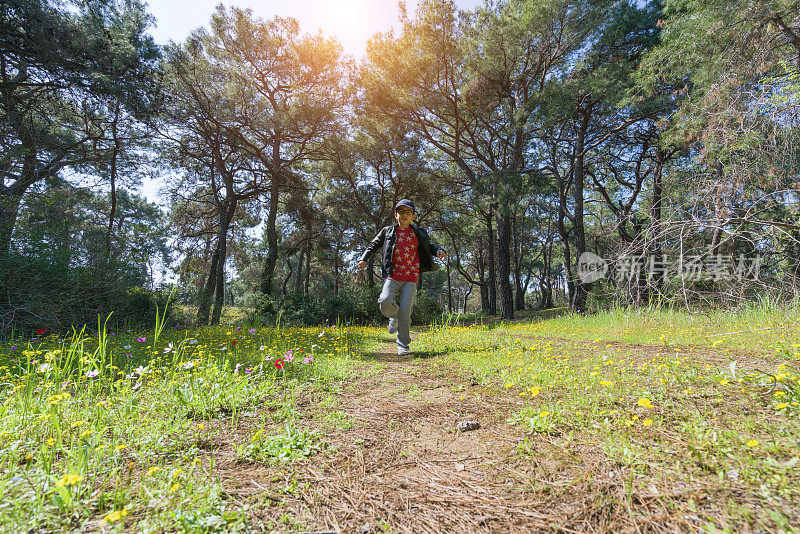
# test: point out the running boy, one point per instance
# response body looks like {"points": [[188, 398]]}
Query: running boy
{"points": [[407, 251]]}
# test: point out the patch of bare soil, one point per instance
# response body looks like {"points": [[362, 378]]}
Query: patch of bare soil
{"points": [[401, 466]]}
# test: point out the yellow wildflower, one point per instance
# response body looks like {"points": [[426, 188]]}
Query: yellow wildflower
{"points": [[116, 515], [68, 480]]}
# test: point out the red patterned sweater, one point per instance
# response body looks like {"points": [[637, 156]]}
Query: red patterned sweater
{"points": [[405, 261]]}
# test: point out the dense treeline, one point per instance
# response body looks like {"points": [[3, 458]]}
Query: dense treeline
{"points": [[535, 136]]}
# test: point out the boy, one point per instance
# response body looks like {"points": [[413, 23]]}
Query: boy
{"points": [[407, 251]]}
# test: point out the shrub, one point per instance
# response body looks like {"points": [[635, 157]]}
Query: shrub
{"points": [[426, 309], [359, 306], [40, 294]]}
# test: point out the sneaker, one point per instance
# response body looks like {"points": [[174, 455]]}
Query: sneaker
{"points": [[403, 352], [392, 326]]}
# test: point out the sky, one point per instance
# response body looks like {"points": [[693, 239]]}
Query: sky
{"points": [[353, 22]]}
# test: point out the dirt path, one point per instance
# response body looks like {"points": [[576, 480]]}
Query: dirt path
{"points": [[404, 466], [401, 465]]}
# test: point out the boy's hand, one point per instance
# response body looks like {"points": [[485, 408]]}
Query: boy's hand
{"points": [[361, 265], [441, 255]]}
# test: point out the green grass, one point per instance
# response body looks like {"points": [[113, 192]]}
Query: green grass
{"points": [[641, 392], [117, 428], [758, 329], [122, 430]]}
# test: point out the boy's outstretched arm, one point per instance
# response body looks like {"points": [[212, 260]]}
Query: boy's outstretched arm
{"points": [[438, 251], [375, 244]]}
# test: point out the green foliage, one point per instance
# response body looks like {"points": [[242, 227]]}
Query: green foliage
{"points": [[426, 309], [65, 269], [296, 309], [78, 80], [55, 297], [294, 444], [357, 307]]}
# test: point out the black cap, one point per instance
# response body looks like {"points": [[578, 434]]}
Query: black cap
{"points": [[406, 203]]}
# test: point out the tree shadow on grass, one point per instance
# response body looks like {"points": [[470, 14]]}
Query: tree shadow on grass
{"points": [[392, 356], [425, 354]]}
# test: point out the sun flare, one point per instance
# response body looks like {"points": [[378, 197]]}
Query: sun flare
{"points": [[350, 21]]}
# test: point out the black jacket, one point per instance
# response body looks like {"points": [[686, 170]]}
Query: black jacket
{"points": [[387, 237]]}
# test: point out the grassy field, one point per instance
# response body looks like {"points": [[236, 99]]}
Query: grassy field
{"points": [[659, 420], [700, 405]]}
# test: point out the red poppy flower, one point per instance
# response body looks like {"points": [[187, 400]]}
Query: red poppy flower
{"points": [[278, 364], [234, 342], [41, 331]]}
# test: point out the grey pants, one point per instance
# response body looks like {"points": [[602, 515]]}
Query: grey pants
{"points": [[399, 308]]}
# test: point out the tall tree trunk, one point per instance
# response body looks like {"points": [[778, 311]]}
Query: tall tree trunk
{"points": [[219, 294], [449, 291], [544, 279], [518, 256], [655, 215], [491, 261], [112, 177], [268, 275], [504, 265], [570, 293], [298, 282], [581, 290], [522, 289], [308, 270], [466, 297], [549, 269], [207, 292], [217, 267], [336, 271], [289, 270], [484, 286], [718, 207]]}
